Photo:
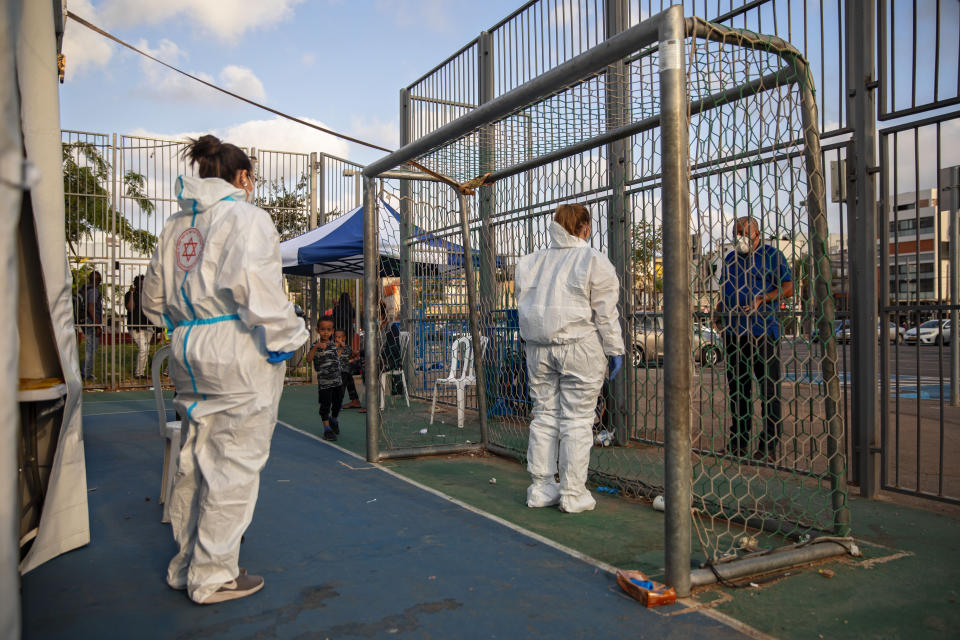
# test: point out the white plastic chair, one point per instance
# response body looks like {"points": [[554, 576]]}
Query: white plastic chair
{"points": [[169, 430], [462, 374], [386, 375]]}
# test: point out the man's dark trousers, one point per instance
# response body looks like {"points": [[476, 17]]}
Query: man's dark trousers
{"points": [[749, 357]]}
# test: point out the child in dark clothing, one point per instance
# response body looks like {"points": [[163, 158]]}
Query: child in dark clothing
{"points": [[347, 359], [326, 362]]}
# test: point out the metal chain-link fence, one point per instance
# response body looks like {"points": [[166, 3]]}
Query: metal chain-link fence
{"points": [[767, 439], [119, 192]]}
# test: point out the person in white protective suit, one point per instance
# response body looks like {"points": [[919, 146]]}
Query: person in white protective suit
{"points": [[215, 282], [567, 303]]}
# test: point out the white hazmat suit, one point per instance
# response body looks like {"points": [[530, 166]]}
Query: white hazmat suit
{"points": [[567, 303], [215, 282]]}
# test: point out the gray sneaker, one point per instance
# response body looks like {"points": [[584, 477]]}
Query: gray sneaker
{"points": [[240, 587]]}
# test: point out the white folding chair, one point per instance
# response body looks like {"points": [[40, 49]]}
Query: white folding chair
{"points": [[386, 375], [169, 430], [462, 374]]}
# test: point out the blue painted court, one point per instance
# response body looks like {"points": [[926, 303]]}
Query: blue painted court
{"points": [[347, 551]]}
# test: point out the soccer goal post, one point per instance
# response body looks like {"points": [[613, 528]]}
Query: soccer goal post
{"points": [[671, 131]]}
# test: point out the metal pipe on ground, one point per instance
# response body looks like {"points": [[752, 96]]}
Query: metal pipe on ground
{"points": [[432, 450], [766, 563]]}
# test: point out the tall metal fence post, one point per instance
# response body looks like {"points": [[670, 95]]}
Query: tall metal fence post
{"points": [[824, 303], [371, 287], [112, 342], [619, 229], [487, 248], [950, 183], [861, 85], [322, 220], [312, 224], [406, 266], [676, 299], [475, 326]]}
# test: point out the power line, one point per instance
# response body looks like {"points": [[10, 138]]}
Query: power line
{"points": [[343, 136], [97, 29]]}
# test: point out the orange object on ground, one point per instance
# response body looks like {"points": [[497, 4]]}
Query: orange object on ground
{"points": [[644, 590]]}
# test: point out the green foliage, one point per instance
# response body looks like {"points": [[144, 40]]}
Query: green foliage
{"points": [[86, 176], [287, 206], [647, 248]]}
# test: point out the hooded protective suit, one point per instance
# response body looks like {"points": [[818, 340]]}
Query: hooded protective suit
{"points": [[567, 303], [215, 282]]}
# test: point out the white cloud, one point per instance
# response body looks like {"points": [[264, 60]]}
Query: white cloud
{"points": [[242, 81], [224, 20], [82, 48], [276, 134], [385, 133], [160, 83], [85, 49], [433, 14]]}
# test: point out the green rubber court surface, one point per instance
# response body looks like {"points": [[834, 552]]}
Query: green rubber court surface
{"points": [[904, 586]]}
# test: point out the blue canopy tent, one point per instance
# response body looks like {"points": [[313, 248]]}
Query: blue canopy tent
{"points": [[335, 250]]}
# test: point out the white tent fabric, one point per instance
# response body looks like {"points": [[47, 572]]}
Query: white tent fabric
{"points": [[64, 524], [11, 174]]}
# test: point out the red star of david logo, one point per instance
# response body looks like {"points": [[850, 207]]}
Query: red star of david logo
{"points": [[190, 249]]}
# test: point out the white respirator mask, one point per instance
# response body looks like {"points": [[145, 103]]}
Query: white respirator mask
{"points": [[744, 244]]}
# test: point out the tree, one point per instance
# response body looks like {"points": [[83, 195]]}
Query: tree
{"points": [[287, 206], [647, 247], [87, 201]]}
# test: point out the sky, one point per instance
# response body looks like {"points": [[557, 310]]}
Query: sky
{"points": [[339, 63]]}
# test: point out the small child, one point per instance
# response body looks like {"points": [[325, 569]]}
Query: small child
{"points": [[347, 358], [326, 362]]}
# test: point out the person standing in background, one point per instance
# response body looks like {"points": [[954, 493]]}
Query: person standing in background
{"points": [[567, 303], [754, 277], [93, 325], [141, 330]]}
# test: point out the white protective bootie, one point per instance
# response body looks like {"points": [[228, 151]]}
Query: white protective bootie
{"points": [[543, 493], [578, 503]]}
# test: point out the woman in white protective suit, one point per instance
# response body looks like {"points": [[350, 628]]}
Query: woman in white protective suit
{"points": [[567, 303], [215, 282]]}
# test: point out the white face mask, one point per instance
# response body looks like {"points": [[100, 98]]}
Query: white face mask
{"points": [[744, 244]]}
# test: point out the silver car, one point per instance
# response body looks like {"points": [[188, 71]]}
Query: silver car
{"points": [[648, 342], [930, 332], [895, 334]]}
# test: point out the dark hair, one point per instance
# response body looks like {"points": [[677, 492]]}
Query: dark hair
{"points": [[94, 276], [215, 159], [345, 299], [324, 319], [572, 217]]}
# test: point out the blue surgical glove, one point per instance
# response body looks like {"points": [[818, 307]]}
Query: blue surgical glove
{"points": [[616, 363], [274, 357]]}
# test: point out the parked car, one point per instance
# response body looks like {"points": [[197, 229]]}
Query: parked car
{"points": [[647, 339], [707, 345], [838, 325], [930, 332], [894, 333], [648, 342]]}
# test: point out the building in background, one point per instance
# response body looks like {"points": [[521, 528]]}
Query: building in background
{"points": [[919, 249]]}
